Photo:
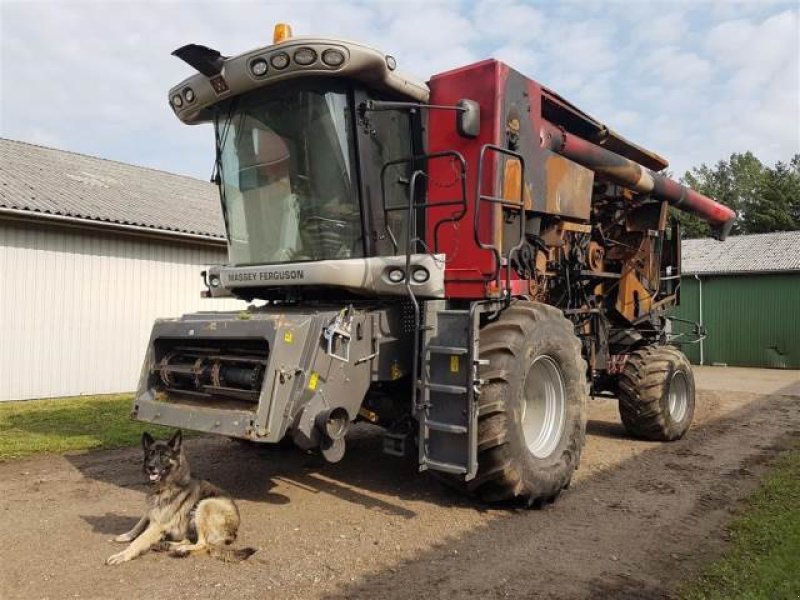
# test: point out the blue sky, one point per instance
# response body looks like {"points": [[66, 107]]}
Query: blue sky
{"points": [[694, 81]]}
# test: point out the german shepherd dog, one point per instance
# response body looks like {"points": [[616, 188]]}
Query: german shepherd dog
{"points": [[185, 515]]}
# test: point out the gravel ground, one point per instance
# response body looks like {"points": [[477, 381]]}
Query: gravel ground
{"points": [[639, 518]]}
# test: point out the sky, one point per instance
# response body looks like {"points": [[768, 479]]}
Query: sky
{"points": [[693, 81]]}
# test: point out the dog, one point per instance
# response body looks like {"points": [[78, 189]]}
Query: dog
{"points": [[185, 516]]}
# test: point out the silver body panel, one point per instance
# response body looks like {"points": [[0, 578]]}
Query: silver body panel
{"points": [[302, 379], [363, 275]]}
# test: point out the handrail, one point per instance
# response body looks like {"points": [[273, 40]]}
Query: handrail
{"points": [[412, 225], [506, 203], [417, 205]]}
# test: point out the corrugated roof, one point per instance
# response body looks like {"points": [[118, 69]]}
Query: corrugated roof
{"points": [[55, 182], [757, 253]]}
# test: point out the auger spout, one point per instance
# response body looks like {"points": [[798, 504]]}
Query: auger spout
{"points": [[623, 171]]}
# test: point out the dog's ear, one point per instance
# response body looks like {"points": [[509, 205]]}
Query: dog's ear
{"points": [[147, 441], [176, 440]]}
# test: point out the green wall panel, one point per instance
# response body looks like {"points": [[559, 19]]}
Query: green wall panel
{"points": [[752, 320]]}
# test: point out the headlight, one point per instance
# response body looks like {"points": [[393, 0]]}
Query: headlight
{"points": [[177, 101], [305, 56], [279, 60], [420, 275], [332, 57], [214, 281], [258, 67], [396, 275], [391, 63]]}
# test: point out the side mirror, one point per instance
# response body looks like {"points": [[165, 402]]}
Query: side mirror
{"points": [[468, 118]]}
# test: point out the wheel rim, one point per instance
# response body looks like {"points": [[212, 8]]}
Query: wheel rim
{"points": [[544, 407], [678, 396]]}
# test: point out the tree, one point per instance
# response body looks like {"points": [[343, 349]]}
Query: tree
{"points": [[776, 204]]}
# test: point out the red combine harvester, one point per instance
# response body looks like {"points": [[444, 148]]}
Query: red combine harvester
{"points": [[461, 262]]}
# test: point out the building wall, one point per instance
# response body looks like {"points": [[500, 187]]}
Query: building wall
{"points": [[77, 307], [751, 320]]}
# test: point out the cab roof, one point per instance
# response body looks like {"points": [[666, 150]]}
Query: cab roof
{"points": [[192, 99]]}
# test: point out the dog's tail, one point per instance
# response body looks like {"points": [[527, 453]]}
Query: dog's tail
{"points": [[218, 551]]}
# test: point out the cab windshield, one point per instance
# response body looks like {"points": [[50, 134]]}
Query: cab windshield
{"points": [[287, 181]]}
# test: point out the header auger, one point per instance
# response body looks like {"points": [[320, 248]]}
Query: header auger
{"points": [[460, 262]]}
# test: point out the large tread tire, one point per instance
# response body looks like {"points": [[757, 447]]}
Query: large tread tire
{"points": [[644, 394], [507, 470]]}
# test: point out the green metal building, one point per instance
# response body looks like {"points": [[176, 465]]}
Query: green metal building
{"points": [[745, 292]]}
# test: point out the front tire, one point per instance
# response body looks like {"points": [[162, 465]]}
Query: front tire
{"points": [[532, 408], [657, 394]]}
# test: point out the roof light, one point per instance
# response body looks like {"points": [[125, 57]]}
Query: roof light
{"points": [[177, 101], [333, 57], [258, 67], [282, 32], [305, 56], [391, 62], [188, 95], [279, 60]]}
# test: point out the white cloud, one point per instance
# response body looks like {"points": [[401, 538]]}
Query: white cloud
{"points": [[498, 19], [693, 81], [584, 46], [757, 51], [677, 67], [668, 28]]}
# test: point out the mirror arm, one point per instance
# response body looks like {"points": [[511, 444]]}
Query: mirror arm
{"points": [[467, 119], [374, 105]]}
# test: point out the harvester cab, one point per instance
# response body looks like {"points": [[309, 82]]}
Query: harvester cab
{"points": [[457, 261]]}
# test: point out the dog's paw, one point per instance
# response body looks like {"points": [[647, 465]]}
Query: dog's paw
{"points": [[115, 559], [123, 538]]}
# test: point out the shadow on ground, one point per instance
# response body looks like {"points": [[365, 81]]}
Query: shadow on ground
{"points": [[607, 429], [251, 472], [110, 523]]}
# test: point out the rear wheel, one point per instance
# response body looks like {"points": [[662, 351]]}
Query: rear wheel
{"points": [[532, 408], [656, 394]]}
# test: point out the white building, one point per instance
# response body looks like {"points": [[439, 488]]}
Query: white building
{"points": [[91, 252]]}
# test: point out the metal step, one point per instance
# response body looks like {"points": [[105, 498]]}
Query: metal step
{"points": [[447, 350], [446, 427], [445, 467], [445, 389]]}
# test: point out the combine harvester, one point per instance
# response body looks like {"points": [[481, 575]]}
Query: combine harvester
{"points": [[461, 262]]}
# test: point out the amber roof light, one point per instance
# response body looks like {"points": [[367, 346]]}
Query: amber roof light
{"points": [[283, 31]]}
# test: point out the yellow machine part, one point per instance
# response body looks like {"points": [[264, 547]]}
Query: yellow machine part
{"points": [[633, 300]]}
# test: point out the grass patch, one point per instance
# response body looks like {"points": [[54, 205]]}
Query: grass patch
{"points": [[68, 425], [764, 558]]}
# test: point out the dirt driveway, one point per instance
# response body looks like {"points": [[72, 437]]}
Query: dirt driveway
{"points": [[638, 519]]}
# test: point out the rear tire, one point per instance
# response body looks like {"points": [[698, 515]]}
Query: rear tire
{"points": [[532, 407], [657, 394]]}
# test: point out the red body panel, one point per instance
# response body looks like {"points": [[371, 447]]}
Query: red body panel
{"points": [[468, 266]]}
